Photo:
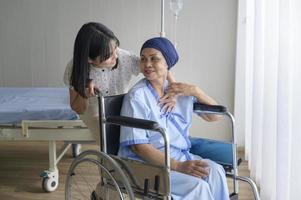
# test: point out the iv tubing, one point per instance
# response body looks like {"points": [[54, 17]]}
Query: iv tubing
{"points": [[162, 33]]}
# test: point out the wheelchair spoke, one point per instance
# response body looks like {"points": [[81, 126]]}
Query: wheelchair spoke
{"points": [[78, 188], [84, 180], [86, 174]]}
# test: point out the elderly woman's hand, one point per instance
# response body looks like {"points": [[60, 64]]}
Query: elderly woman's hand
{"points": [[197, 168], [167, 103], [181, 89]]}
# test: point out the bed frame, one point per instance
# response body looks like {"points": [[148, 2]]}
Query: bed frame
{"points": [[70, 131], [42, 114]]}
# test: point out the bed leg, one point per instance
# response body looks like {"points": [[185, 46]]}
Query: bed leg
{"points": [[51, 176], [52, 156]]}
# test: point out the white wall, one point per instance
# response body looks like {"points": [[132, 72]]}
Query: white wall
{"points": [[37, 36]]}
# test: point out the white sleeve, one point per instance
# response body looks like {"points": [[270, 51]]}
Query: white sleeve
{"points": [[67, 74], [135, 64], [133, 61]]}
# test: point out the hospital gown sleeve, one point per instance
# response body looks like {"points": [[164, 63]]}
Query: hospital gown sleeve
{"points": [[133, 106]]}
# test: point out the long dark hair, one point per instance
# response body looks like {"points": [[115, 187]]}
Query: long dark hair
{"points": [[92, 40]]}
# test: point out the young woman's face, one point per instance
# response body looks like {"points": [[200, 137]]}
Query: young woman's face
{"points": [[153, 64], [108, 63]]}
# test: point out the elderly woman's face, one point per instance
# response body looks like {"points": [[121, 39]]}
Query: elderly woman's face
{"points": [[153, 64]]}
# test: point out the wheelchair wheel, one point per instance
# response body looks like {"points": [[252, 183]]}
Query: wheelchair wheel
{"points": [[84, 180]]}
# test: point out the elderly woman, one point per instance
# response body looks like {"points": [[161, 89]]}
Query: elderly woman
{"points": [[191, 177]]}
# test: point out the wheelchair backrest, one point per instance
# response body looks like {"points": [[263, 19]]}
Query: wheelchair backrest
{"points": [[112, 106]]}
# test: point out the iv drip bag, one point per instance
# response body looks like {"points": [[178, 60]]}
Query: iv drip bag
{"points": [[176, 6]]}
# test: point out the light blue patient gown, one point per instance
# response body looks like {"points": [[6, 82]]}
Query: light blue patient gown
{"points": [[142, 102]]}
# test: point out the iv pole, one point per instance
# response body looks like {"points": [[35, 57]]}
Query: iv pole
{"points": [[162, 33]]}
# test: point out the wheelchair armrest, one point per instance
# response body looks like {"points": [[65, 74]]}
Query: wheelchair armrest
{"points": [[143, 124], [133, 122], [210, 108]]}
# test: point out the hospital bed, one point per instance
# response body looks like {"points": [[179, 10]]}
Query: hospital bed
{"points": [[42, 114], [140, 179]]}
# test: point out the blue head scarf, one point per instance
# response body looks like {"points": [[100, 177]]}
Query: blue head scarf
{"points": [[165, 47]]}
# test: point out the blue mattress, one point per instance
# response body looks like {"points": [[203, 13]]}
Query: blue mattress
{"points": [[17, 104]]}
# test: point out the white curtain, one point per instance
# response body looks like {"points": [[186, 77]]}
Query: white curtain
{"points": [[268, 94]]}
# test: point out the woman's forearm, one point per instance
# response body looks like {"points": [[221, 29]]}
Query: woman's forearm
{"points": [[77, 102], [152, 155], [204, 98]]}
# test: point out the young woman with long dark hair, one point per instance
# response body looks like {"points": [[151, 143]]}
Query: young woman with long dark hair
{"points": [[99, 64]]}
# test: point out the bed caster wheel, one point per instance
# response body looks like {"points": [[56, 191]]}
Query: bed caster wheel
{"points": [[50, 180], [76, 149], [49, 184]]}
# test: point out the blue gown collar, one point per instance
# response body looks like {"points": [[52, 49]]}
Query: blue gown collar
{"points": [[153, 91], [175, 118]]}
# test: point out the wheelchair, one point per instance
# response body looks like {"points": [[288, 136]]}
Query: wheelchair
{"points": [[102, 175]]}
